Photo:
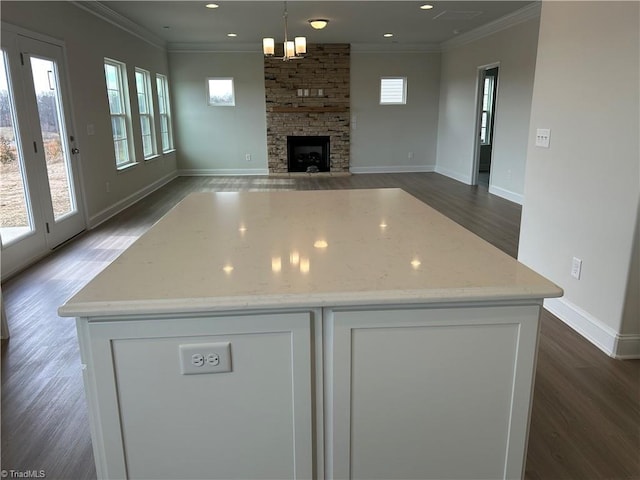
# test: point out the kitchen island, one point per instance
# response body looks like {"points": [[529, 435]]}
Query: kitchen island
{"points": [[322, 334]]}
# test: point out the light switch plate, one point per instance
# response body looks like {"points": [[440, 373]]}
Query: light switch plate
{"points": [[542, 137]]}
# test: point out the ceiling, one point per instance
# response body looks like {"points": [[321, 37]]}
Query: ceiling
{"points": [[356, 22]]}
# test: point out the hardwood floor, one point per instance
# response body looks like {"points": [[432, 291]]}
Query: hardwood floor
{"points": [[586, 412]]}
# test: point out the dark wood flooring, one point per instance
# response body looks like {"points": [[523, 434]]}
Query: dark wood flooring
{"points": [[586, 412]]}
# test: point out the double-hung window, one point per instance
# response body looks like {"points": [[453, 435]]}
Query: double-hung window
{"points": [[487, 110], [164, 110], [145, 109], [117, 91]]}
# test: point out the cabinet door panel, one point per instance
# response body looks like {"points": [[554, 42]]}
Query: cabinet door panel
{"points": [[252, 422], [428, 393]]}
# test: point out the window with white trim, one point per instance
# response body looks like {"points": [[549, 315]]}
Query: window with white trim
{"points": [[117, 91], [164, 110], [487, 110], [393, 90], [221, 92], [145, 109]]}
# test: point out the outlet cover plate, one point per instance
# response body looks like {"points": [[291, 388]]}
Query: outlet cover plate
{"points": [[198, 358]]}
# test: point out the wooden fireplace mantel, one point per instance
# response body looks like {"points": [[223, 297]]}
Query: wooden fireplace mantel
{"points": [[310, 109]]}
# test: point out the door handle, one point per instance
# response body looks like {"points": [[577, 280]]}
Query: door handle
{"points": [[75, 150]]}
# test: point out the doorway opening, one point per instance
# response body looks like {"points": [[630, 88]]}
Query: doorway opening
{"points": [[488, 93]]}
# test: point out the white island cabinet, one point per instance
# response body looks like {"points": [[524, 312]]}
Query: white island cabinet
{"points": [[325, 334]]}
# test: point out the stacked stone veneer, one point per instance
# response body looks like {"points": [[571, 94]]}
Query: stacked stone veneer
{"points": [[326, 68]]}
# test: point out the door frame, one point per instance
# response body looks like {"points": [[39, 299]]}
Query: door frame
{"points": [[478, 124], [40, 249]]}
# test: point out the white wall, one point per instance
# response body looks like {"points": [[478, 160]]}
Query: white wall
{"points": [[88, 40], [581, 194], [514, 49], [382, 136], [216, 140]]}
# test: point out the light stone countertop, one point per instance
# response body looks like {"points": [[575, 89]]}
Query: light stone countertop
{"points": [[290, 249]]}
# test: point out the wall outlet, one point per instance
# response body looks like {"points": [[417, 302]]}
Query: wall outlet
{"points": [[576, 268], [247, 157], [410, 155], [196, 358]]}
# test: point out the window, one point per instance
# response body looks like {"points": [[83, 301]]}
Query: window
{"points": [[393, 90], [166, 135], [221, 92], [116, 76], [487, 110], [145, 107]]}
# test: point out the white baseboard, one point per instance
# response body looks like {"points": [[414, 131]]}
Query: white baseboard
{"points": [[126, 202], [614, 344], [455, 175], [628, 346], [204, 172], [506, 194], [394, 169]]}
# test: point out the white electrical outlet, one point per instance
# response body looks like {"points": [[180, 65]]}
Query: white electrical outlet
{"points": [[247, 157], [198, 358], [576, 268], [542, 137]]}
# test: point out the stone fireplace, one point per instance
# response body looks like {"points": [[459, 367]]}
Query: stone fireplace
{"points": [[309, 98]]}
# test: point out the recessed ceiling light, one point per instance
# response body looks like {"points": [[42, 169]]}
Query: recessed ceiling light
{"points": [[388, 35], [426, 6], [232, 34], [212, 5]]}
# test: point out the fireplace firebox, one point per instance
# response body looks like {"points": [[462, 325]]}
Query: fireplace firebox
{"points": [[308, 154]]}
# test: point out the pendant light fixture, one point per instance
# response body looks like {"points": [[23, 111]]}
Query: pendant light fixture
{"points": [[292, 49]]}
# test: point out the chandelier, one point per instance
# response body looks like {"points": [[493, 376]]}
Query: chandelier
{"points": [[292, 49]]}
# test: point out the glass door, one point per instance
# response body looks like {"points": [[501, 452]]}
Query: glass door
{"points": [[39, 188], [16, 218]]}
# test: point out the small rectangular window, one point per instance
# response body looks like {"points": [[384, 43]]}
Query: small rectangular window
{"points": [[164, 107], [393, 91], [145, 108], [117, 91], [221, 93]]}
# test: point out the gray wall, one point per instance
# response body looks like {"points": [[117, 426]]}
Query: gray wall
{"points": [[582, 193], [514, 49], [216, 140], [382, 136], [88, 40]]}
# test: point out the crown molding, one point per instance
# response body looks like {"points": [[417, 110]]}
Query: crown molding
{"points": [[519, 16], [206, 47], [114, 18], [209, 47], [395, 48]]}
